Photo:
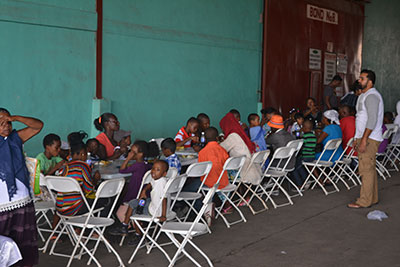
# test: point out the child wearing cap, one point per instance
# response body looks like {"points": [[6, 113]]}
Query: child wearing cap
{"points": [[279, 137]]}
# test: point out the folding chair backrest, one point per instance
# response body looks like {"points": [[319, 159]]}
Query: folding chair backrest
{"points": [[332, 144], [283, 153], [146, 180], [234, 163], [350, 144], [199, 169], [177, 184], [260, 157], [296, 144], [62, 184], [388, 133], [110, 188], [172, 172], [391, 126]]}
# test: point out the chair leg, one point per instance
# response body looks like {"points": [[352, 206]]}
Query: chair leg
{"points": [[180, 250]]}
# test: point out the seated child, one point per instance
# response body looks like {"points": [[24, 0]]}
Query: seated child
{"points": [[387, 119], [256, 132], [123, 139], [217, 155], [151, 207], [307, 152], [236, 114], [186, 136], [72, 203], [298, 123], [139, 151], [93, 148], [204, 122], [64, 151], [49, 160], [168, 147]]}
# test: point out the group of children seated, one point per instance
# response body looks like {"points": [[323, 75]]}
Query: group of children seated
{"points": [[74, 158]]}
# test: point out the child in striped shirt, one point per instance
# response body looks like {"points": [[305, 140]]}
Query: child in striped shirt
{"points": [[72, 203], [307, 153], [186, 135]]}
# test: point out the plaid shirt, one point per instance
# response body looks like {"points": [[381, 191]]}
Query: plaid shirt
{"points": [[173, 161]]}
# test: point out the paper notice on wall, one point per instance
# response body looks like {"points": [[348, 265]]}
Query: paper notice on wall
{"points": [[314, 61], [341, 63], [329, 67]]}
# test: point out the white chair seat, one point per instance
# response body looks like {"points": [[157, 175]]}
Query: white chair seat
{"points": [[93, 222], [183, 227], [44, 205], [187, 196], [275, 173], [147, 218], [321, 163], [344, 161]]}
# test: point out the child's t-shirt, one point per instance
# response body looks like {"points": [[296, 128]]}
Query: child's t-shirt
{"points": [[310, 142], [173, 161], [156, 195], [295, 127], [138, 169], [69, 204], [182, 135], [47, 164], [217, 155], [257, 136]]}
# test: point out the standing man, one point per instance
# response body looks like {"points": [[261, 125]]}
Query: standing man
{"points": [[330, 98], [368, 137]]}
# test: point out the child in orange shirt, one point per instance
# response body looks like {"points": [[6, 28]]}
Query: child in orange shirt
{"points": [[217, 155]]}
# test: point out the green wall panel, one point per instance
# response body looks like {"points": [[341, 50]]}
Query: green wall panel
{"points": [[47, 73], [163, 63], [381, 50]]}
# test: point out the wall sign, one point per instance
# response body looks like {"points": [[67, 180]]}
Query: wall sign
{"points": [[322, 14], [329, 67], [342, 63], [314, 59]]}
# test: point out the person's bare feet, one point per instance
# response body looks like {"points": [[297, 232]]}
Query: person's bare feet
{"points": [[354, 206]]}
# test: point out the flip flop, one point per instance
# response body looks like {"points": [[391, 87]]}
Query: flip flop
{"points": [[354, 206]]}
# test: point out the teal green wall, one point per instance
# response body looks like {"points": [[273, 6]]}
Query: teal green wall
{"points": [[163, 61], [381, 48], [167, 61], [47, 66]]}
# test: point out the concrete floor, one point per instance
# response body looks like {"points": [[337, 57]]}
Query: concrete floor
{"points": [[317, 230]]}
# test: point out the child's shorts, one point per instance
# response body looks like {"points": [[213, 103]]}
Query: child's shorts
{"points": [[134, 203]]}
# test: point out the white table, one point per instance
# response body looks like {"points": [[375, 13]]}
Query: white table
{"points": [[111, 171], [187, 152], [188, 161]]}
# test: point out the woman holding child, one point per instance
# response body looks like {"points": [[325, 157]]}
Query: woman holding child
{"points": [[237, 143], [108, 123], [17, 212]]}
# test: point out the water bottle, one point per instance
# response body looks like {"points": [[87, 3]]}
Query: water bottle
{"points": [[140, 207], [89, 159], [203, 139]]}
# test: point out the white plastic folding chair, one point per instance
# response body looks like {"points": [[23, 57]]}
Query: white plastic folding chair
{"points": [[276, 171], [380, 166], [392, 155], [42, 211], [231, 164], [258, 160], [10, 253], [344, 164], [188, 230], [199, 169], [107, 189], [321, 165], [173, 184], [297, 145], [172, 172]]}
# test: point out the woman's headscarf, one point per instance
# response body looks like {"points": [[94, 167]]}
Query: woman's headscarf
{"points": [[230, 125], [332, 115]]}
